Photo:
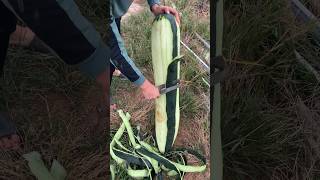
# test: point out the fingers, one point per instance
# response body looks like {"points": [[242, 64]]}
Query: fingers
{"points": [[156, 93], [166, 10], [149, 91], [150, 97], [156, 96], [170, 10], [152, 94]]}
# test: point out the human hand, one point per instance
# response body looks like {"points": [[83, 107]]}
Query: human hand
{"points": [[158, 9], [149, 91]]}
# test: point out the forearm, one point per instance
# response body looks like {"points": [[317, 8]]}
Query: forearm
{"points": [[120, 58]]}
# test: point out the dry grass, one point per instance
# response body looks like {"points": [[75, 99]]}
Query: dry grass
{"points": [[269, 111]]}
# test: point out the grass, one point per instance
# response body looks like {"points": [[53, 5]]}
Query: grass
{"points": [[53, 107], [270, 111]]}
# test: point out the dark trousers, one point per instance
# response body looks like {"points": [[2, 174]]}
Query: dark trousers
{"points": [[8, 23]]}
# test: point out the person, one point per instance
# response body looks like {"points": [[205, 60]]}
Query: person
{"points": [[66, 33], [120, 62], [119, 56]]}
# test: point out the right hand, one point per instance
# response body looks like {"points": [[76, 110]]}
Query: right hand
{"points": [[149, 91]]}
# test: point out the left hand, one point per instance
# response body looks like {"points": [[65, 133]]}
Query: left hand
{"points": [[158, 9]]}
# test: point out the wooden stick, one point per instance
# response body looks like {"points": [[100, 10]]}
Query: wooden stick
{"points": [[206, 44], [197, 57]]}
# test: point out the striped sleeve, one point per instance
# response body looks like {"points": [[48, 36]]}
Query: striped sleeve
{"points": [[153, 2], [120, 58]]}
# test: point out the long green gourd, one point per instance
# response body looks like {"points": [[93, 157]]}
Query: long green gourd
{"points": [[165, 37]]}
